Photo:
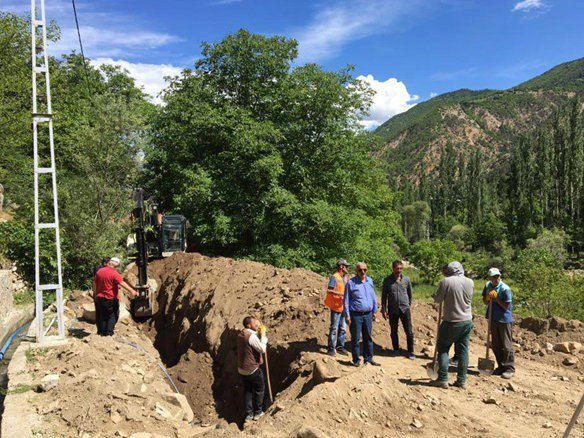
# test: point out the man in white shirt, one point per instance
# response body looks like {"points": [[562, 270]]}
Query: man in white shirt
{"points": [[251, 344]]}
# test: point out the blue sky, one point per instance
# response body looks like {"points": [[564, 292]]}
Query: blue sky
{"points": [[407, 50]]}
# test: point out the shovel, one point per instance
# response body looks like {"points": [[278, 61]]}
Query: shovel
{"points": [[432, 368], [486, 364], [268, 377]]}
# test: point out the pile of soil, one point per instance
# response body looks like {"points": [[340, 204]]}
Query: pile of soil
{"points": [[108, 387]]}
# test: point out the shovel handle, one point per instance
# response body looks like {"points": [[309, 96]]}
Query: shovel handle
{"points": [[268, 377], [490, 312], [437, 334]]}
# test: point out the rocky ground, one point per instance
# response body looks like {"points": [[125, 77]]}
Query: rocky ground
{"points": [[106, 387]]}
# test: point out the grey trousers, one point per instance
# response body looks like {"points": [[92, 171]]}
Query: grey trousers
{"points": [[502, 344]]}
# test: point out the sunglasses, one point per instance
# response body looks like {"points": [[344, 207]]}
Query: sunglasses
{"points": [[362, 270]]}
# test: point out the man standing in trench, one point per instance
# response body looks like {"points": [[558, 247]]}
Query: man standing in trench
{"points": [[107, 305], [251, 344], [335, 297], [360, 310], [396, 299]]}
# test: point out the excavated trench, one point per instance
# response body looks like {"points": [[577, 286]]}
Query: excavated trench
{"points": [[200, 304]]}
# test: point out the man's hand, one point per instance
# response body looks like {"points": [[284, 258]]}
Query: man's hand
{"points": [[374, 317], [493, 295], [262, 330], [348, 320], [384, 314]]}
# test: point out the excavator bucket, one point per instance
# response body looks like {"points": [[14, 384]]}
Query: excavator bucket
{"points": [[141, 306]]}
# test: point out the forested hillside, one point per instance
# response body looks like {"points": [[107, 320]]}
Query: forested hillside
{"points": [[506, 161]]}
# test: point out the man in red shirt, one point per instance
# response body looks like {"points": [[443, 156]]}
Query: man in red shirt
{"points": [[107, 305]]}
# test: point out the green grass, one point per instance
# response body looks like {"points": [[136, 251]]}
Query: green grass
{"points": [[24, 298], [32, 354], [18, 389]]}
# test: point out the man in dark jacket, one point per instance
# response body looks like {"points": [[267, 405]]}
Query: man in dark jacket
{"points": [[396, 299]]}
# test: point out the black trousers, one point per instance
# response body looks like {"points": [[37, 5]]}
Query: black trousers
{"points": [[253, 392], [406, 319], [502, 344], [107, 313]]}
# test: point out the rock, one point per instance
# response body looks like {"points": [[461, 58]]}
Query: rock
{"points": [[535, 325], [569, 361], [168, 411], [49, 382], [575, 347], [512, 386], [308, 432], [141, 435], [574, 324], [325, 371], [115, 417], [547, 425], [490, 401], [535, 350], [417, 423], [88, 312], [549, 347], [559, 324], [180, 401], [388, 424], [563, 347]]}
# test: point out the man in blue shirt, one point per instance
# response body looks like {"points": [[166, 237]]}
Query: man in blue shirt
{"points": [[359, 311], [501, 323]]}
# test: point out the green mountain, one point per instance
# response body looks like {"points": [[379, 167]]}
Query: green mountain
{"points": [[492, 120]]}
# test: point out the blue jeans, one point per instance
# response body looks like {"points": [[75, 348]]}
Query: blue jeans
{"points": [[457, 333], [362, 323], [336, 331]]}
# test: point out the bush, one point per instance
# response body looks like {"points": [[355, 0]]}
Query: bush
{"points": [[430, 255], [543, 288], [555, 241]]}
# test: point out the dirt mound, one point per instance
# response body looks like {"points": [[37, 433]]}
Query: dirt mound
{"points": [[107, 386], [202, 302]]}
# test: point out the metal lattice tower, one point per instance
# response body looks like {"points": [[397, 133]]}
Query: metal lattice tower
{"points": [[42, 118]]}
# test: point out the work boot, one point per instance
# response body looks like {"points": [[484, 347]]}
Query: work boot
{"points": [[249, 417], [443, 384], [498, 371], [356, 364], [342, 351], [508, 374], [372, 362], [459, 384], [394, 353], [256, 417], [331, 352], [411, 356]]}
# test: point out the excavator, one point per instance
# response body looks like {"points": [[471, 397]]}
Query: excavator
{"points": [[155, 236]]}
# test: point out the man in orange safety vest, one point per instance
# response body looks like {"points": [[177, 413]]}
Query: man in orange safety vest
{"points": [[335, 296]]}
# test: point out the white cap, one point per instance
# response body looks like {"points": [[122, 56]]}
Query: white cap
{"points": [[115, 261], [493, 272]]}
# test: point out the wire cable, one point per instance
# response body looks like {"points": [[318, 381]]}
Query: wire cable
{"points": [[81, 47]]}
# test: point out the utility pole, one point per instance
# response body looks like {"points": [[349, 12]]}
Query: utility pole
{"points": [[44, 175]]}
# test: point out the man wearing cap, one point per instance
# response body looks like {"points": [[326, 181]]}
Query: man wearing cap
{"points": [[499, 294], [359, 310], [334, 300], [396, 299], [107, 305]]}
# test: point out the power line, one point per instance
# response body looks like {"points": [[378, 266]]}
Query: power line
{"points": [[81, 47]]}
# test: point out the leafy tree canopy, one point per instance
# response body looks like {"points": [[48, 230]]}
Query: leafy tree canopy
{"points": [[267, 159]]}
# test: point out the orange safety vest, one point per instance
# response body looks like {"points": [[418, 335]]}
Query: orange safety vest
{"points": [[335, 297]]}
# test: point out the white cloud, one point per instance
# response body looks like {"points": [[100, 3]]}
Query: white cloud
{"points": [[391, 98], [529, 5], [110, 34], [333, 26], [432, 94], [149, 76]]}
